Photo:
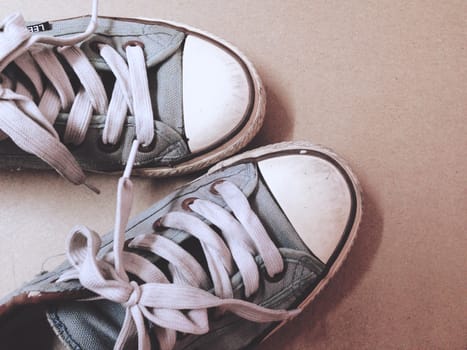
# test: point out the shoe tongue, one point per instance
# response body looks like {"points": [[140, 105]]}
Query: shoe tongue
{"points": [[159, 42]]}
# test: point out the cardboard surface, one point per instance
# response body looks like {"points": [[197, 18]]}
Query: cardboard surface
{"points": [[384, 84]]}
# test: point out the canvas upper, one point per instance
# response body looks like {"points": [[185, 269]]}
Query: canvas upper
{"points": [[191, 99], [96, 324]]}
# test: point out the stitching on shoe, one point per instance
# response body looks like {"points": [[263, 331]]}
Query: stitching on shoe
{"points": [[298, 277], [292, 287], [172, 152], [62, 331]]}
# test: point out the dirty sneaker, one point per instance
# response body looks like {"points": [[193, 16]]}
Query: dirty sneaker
{"points": [[220, 263], [75, 93]]}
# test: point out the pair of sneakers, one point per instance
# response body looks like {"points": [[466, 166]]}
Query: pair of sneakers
{"points": [[223, 261]]}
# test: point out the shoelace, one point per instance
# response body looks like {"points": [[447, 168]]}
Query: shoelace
{"points": [[27, 117], [181, 305]]}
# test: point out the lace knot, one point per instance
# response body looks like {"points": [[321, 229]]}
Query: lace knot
{"points": [[135, 295]]}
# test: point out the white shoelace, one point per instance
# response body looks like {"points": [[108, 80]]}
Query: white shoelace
{"points": [[181, 305], [27, 117]]}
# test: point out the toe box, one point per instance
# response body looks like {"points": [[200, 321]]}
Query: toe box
{"points": [[216, 92], [315, 196]]}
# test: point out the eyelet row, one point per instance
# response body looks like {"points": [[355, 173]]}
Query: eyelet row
{"points": [[157, 225], [212, 189], [114, 147]]}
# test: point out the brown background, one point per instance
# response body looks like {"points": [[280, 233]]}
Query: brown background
{"points": [[384, 84]]}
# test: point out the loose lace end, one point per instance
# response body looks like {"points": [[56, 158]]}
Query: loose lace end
{"points": [[92, 188], [131, 160]]}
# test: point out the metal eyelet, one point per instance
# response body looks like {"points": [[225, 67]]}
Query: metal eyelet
{"points": [[149, 148], [212, 189], [108, 147], [133, 43], [278, 276], [157, 226], [187, 202], [94, 46]]}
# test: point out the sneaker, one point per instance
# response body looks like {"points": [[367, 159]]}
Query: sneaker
{"points": [[76, 92], [220, 263]]}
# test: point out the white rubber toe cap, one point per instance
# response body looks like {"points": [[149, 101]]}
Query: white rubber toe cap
{"points": [[216, 93], [314, 196]]}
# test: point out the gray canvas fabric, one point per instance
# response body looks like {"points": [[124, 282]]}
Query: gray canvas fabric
{"points": [[169, 147], [163, 53], [95, 325], [169, 92], [160, 42]]}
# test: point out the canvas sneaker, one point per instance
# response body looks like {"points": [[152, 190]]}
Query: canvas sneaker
{"points": [[75, 93], [220, 263]]}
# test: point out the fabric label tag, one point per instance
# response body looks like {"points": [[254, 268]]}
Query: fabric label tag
{"points": [[41, 27]]}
